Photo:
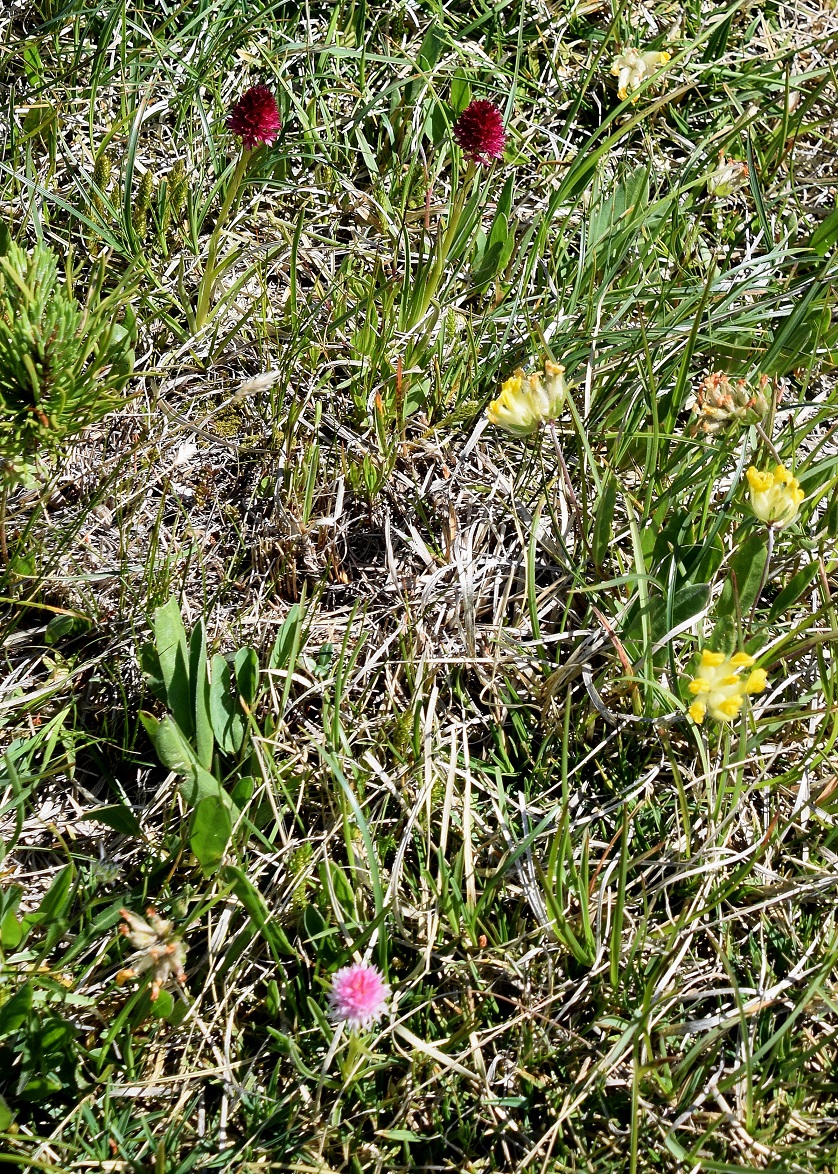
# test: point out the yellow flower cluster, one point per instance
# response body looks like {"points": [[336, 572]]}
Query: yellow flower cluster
{"points": [[526, 402], [719, 689], [775, 497], [633, 67], [727, 178]]}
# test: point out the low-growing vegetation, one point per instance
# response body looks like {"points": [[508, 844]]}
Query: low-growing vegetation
{"points": [[417, 535]]}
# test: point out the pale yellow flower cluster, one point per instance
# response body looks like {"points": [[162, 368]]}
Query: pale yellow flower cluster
{"points": [[158, 949], [728, 177], [775, 496], [719, 689], [633, 67], [526, 402], [721, 402]]}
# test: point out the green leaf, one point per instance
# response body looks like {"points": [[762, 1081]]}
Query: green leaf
{"points": [[792, 591], [62, 627], [6, 1115], [211, 831], [315, 926], [118, 816], [55, 899], [11, 931], [163, 1005], [14, 1011], [604, 520], [151, 670], [402, 1135], [255, 906], [246, 665], [688, 601], [744, 575], [225, 711], [242, 792], [170, 641], [175, 753], [200, 687], [460, 92], [825, 235], [340, 883]]}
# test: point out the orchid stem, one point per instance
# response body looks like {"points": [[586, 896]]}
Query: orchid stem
{"points": [[205, 289]]}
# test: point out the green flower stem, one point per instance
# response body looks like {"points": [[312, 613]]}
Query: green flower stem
{"points": [[444, 246], [765, 572], [205, 289]]}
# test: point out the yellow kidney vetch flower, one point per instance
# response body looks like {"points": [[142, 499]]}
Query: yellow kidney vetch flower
{"points": [[775, 497], [633, 67], [719, 689], [526, 402]]}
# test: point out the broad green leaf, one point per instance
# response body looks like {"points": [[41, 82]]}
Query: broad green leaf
{"points": [[170, 642], [460, 92], [744, 575], [211, 831], [315, 926], [163, 1005], [825, 235], [14, 1011], [793, 590], [11, 931], [63, 627], [225, 712], [153, 673], [118, 816], [175, 753], [200, 687], [340, 883], [6, 1115], [55, 899], [242, 792], [246, 665]]}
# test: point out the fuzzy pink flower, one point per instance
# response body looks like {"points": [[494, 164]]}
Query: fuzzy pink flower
{"points": [[255, 117], [359, 995], [479, 131]]}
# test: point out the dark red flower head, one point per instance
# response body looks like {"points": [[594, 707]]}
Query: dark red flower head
{"points": [[479, 131], [255, 117]]}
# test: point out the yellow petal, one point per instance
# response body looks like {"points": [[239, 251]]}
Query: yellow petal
{"points": [[712, 659], [697, 711], [730, 706], [759, 482], [741, 660], [757, 681]]}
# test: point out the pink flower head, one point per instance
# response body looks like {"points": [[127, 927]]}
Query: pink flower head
{"points": [[255, 117], [479, 131], [359, 995]]}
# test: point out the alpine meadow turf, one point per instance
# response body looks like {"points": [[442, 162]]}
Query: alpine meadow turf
{"points": [[418, 517]]}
